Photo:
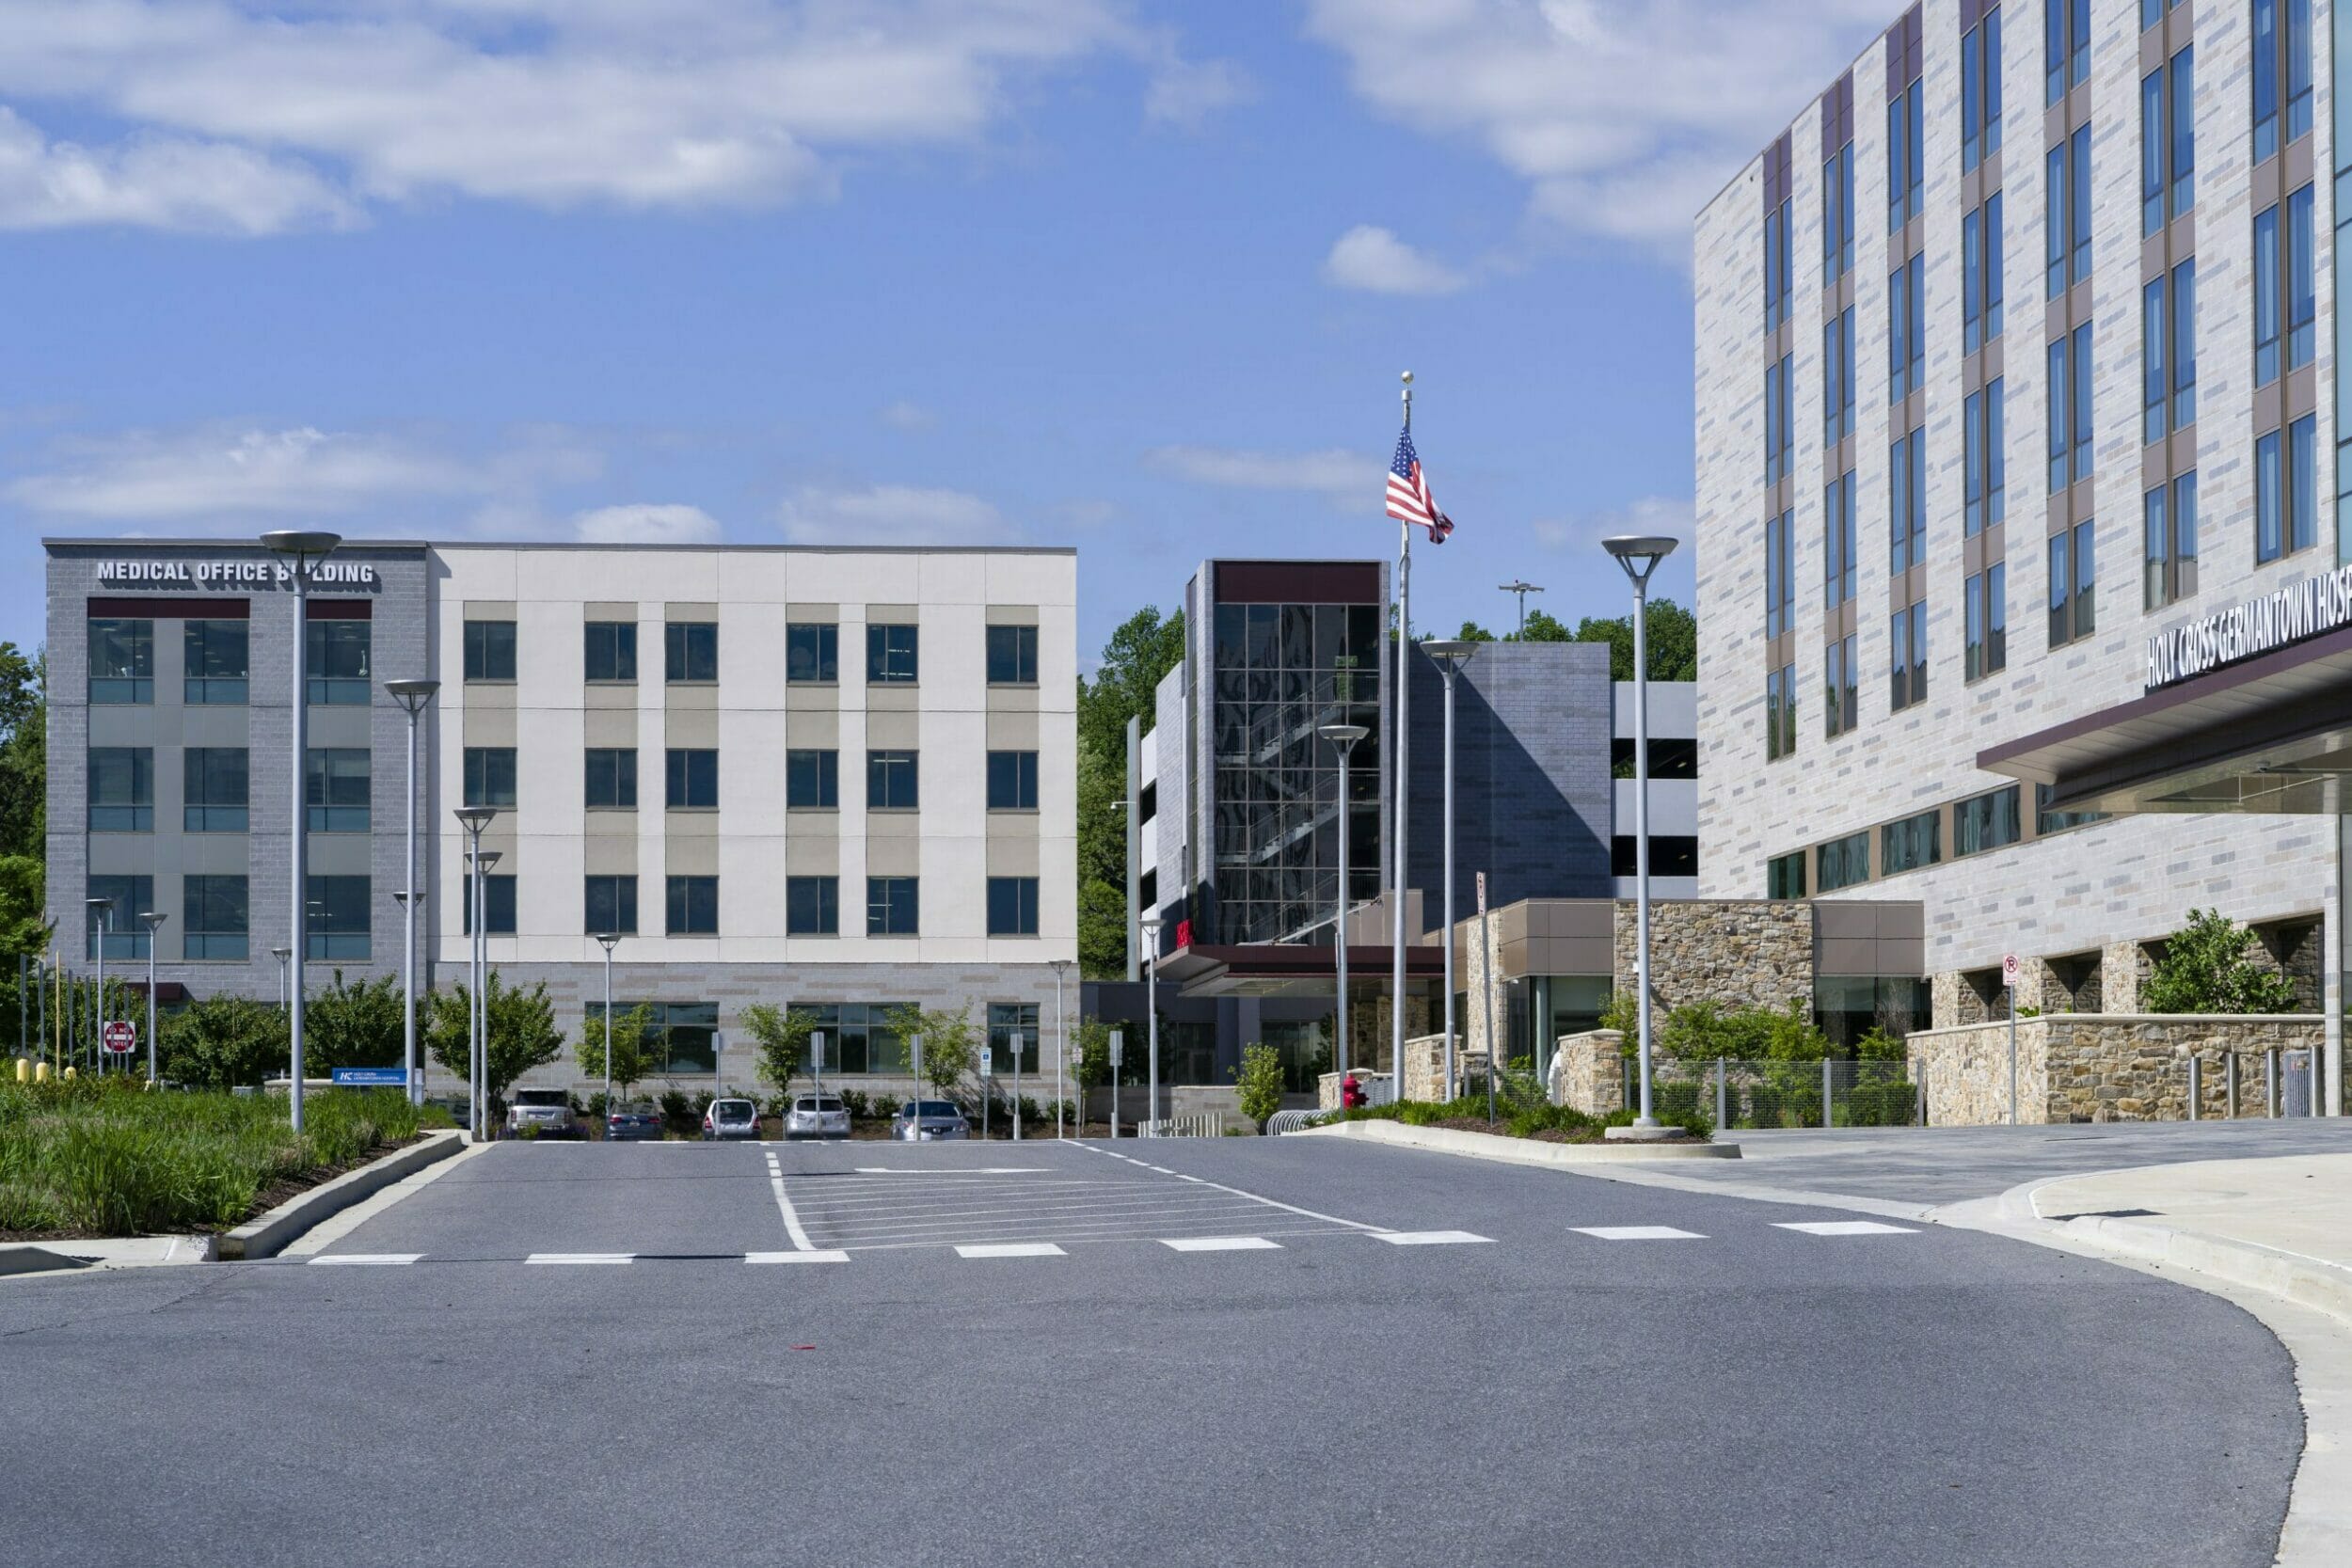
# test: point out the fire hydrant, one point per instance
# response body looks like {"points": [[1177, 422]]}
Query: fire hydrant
{"points": [[1351, 1093]]}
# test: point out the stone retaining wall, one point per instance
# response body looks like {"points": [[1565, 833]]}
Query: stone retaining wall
{"points": [[1588, 1073], [2101, 1066]]}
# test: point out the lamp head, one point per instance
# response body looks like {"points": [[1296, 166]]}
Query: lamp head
{"points": [[608, 941], [412, 694], [300, 543], [1639, 553], [152, 918], [280, 954], [1341, 736], [1452, 653], [100, 903], [487, 858], [474, 818]]}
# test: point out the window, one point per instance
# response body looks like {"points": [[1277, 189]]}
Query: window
{"points": [[812, 906], [1981, 90], [2167, 142], [692, 781], [498, 906], [1987, 596], [890, 781], [122, 661], [694, 906], [335, 790], [1985, 822], [890, 652], [690, 652], [681, 1038], [1776, 265], [1780, 572], [338, 656], [489, 650], [1905, 164], [1670, 855], [1907, 640], [2072, 452], [1013, 906], [611, 906], [1837, 214], [891, 907], [490, 776], [611, 779], [1012, 780], [1013, 1034], [2301, 302], [1784, 876], [1908, 845], [1012, 656], [215, 917], [2169, 352], [2065, 45], [1907, 490], [338, 923], [1980, 306], [1985, 439], [812, 654], [1906, 329], [1838, 540], [126, 937], [2046, 821], [1669, 758], [1778, 441], [2286, 499], [812, 780], [2072, 585], [1780, 712], [609, 651], [1842, 862], [2171, 540], [122, 790], [2066, 235], [2281, 55], [2284, 300], [1837, 378], [214, 655], [858, 1035], [214, 789], [1840, 706]]}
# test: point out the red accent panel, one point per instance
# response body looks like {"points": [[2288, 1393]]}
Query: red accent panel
{"points": [[1298, 582], [339, 610], [145, 608]]}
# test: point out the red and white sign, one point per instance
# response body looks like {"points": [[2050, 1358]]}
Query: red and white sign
{"points": [[1482, 893], [120, 1036], [2008, 969]]}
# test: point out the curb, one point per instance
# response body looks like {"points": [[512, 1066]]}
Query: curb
{"points": [[1516, 1152], [34, 1260], [2323, 1287], [264, 1236]]}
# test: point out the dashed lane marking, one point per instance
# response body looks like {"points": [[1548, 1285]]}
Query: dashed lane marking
{"points": [[1637, 1233], [1219, 1243], [823, 1255], [1011, 1249], [1844, 1227], [581, 1258], [357, 1259], [1429, 1238]]}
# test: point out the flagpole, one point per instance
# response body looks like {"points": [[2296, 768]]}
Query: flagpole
{"points": [[1402, 783]]}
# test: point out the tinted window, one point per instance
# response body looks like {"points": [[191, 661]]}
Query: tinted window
{"points": [[612, 780], [691, 650], [693, 781], [1012, 656], [1012, 780], [890, 655], [612, 650], [812, 653], [812, 780], [489, 650]]}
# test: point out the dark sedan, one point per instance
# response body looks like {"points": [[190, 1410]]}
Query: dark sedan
{"points": [[632, 1124]]}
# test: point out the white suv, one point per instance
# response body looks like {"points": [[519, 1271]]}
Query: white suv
{"points": [[817, 1115]]}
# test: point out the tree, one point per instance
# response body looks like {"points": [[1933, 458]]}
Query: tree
{"points": [[1472, 632], [1673, 636], [224, 1042], [24, 930], [522, 1032], [951, 1044], [2207, 968], [1092, 1052], [1101, 931], [24, 752], [355, 1025], [1126, 685], [1260, 1083], [632, 1062], [781, 1039]]}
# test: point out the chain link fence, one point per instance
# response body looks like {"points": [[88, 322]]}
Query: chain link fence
{"points": [[1739, 1094]]}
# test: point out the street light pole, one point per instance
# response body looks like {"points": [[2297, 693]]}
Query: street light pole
{"points": [[473, 819], [1451, 657], [300, 547], [606, 939], [1640, 555], [1061, 1052], [1523, 588], [150, 919], [1150, 924], [99, 909], [483, 861], [411, 695], [280, 954], [1344, 737]]}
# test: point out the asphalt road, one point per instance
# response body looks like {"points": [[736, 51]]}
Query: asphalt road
{"points": [[1311, 1389]]}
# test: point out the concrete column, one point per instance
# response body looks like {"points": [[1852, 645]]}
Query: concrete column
{"points": [[2335, 942]]}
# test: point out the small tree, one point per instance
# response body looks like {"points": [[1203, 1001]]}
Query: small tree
{"points": [[355, 1025], [951, 1044], [632, 1062], [2206, 969], [781, 1039], [224, 1042], [1260, 1083], [522, 1032], [1090, 1061]]}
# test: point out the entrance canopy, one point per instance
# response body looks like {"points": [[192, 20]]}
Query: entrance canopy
{"points": [[2270, 733], [1285, 969]]}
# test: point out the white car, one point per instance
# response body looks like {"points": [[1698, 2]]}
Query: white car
{"points": [[817, 1115]]}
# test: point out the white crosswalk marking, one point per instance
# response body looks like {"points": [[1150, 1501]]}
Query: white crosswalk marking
{"points": [[366, 1258], [1637, 1233], [1428, 1238], [581, 1258], [822, 1256], [1219, 1243], [1844, 1227], [1011, 1249]]}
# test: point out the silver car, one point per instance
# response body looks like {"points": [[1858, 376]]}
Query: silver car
{"points": [[817, 1115], [730, 1118], [935, 1119], [546, 1114]]}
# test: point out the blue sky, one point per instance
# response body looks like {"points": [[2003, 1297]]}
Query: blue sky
{"points": [[1130, 275]]}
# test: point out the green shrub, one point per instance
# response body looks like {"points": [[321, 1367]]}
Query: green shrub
{"points": [[2207, 968]]}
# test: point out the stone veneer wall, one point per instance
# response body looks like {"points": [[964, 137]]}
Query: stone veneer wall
{"points": [[2100, 1067], [1731, 952], [1588, 1073]]}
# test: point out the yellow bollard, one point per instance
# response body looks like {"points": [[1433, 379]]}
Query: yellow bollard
{"points": [[69, 1073], [41, 1073], [23, 1070]]}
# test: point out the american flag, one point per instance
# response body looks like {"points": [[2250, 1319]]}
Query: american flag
{"points": [[1409, 492]]}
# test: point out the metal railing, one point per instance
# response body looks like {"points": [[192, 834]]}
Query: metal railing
{"points": [[1203, 1124], [1764, 1094], [1291, 1121]]}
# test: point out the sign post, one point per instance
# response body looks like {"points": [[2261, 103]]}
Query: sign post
{"points": [[1119, 1047], [988, 1091], [1486, 988], [816, 1058], [121, 1036], [2009, 978]]}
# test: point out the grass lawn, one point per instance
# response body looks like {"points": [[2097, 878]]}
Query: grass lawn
{"points": [[105, 1157]]}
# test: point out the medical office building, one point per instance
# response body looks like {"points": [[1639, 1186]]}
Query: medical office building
{"points": [[837, 779]]}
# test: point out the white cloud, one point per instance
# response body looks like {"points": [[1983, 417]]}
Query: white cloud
{"points": [[1343, 475], [557, 103], [158, 182], [892, 514], [1187, 93], [1372, 257], [903, 414], [646, 525], [1624, 116], [1673, 516]]}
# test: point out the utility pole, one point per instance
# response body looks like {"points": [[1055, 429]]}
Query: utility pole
{"points": [[1523, 588]]}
